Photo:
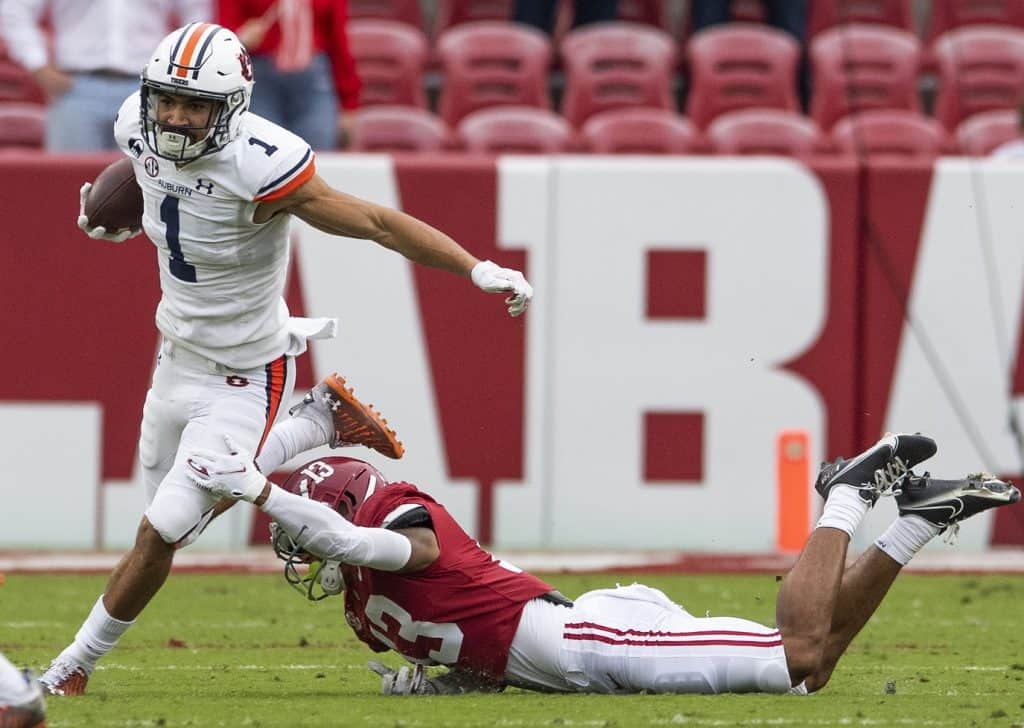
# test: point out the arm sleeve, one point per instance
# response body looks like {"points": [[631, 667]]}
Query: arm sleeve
{"points": [[324, 533], [19, 26], [346, 80]]}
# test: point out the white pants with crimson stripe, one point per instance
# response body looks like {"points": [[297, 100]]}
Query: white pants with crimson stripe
{"points": [[635, 638], [193, 403]]}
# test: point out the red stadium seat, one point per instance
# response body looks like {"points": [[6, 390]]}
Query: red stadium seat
{"points": [[947, 15], [399, 129], [980, 68], [22, 125], [402, 11], [615, 65], [981, 133], [456, 12], [515, 129], [639, 131], [390, 58], [493, 63], [825, 14], [890, 132], [17, 84], [858, 67], [765, 131], [738, 66]]}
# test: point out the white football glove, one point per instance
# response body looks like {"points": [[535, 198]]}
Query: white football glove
{"points": [[99, 232], [414, 681], [227, 475], [404, 681], [488, 276]]}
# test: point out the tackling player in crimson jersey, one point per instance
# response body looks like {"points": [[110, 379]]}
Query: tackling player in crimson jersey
{"points": [[474, 601], [415, 583]]}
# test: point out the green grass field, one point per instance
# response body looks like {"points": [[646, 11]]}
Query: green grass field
{"points": [[217, 650]]}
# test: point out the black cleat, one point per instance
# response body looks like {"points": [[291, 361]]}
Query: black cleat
{"points": [[877, 469], [947, 502]]}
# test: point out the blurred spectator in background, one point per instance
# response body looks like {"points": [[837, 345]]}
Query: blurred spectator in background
{"points": [[1013, 149], [99, 49], [541, 13], [787, 15], [300, 54]]}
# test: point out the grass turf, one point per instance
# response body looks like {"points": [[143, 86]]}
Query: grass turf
{"points": [[243, 650]]}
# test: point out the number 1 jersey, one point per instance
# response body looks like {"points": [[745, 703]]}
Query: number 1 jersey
{"points": [[461, 611], [222, 274]]}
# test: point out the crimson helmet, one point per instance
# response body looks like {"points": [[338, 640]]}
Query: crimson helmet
{"points": [[340, 483]]}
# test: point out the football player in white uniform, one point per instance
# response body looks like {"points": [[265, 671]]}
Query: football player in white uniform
{"points": [[220, 185]]}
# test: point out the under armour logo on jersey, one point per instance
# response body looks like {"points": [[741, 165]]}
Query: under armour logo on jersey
{"points": [[204, 185], [236, 381]]}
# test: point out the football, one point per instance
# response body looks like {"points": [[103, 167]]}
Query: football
{"points": [[115, 200]]}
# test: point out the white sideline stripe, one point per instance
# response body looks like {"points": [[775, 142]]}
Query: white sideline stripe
{"points": [[262, 561]]}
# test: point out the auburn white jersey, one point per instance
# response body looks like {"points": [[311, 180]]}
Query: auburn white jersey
{"points": [[222, 275]]}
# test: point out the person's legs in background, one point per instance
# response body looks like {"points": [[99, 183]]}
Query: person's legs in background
{"points": [[268, 98], [82, 120], [538, 13], [791, 16], [705, 13], [310, 104], [595, 11]]}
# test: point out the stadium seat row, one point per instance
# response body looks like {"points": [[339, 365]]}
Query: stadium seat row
{"points": [[523, 129], [824, 14], [739, 65]]}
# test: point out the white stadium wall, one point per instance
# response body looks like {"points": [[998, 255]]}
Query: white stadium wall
{"points": [[687, 310]]}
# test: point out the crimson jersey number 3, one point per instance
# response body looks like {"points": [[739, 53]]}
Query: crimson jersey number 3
{"points": [[423, 642]]}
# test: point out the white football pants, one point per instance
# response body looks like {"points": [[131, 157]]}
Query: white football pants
{"points": [[635, 638], [193, 403]]}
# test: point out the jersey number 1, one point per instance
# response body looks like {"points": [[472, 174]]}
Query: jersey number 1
{"points": [[169, 216]]}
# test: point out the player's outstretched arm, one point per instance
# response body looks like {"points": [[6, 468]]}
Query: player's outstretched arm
{"points": [[315, 527], [327, 209]]}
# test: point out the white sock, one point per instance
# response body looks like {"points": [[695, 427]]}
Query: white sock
{"points": [[905, 537], [289, 438], [97, 636], [844, 509], [14, 690]]}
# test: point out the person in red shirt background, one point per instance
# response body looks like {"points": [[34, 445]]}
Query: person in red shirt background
{"points": [[307, 77]]}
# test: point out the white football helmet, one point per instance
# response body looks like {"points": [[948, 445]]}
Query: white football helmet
{"points": [[202, 60]]}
